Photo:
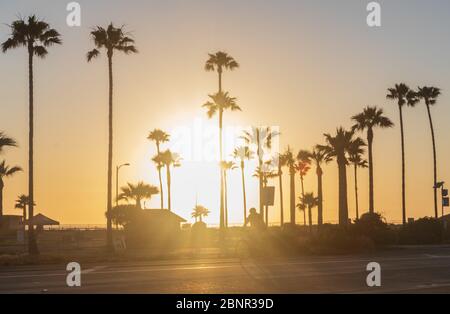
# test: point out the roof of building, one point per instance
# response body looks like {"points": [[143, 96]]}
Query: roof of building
{"points": [[164, 213], [41, 220]]}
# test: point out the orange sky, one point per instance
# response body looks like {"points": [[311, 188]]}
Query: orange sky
{"points": [[305, 68]]}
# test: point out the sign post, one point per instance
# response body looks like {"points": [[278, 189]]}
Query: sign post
{"points": [[268, 196], [444, 195]]}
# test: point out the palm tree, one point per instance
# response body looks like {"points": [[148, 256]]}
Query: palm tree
{"points": [[123, 214], [290, 163], [138, 192], [111, 39], [262, 137], [404, 96], [168, 159], [159, 136], [429, 96], [370, 118], [301, 207], [218, 62], [241, 154], [309, 201], [36, 35], [6, 141], [226, 166], [21, 203], [356, 158], [280, 162], [199, 212], [319, 157], [5, 171], [303, 166], [337, 147], [218, 104]]}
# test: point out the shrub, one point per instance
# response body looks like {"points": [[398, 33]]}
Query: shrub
{"points": [[422, 231], [339, 240], [374, 227]]}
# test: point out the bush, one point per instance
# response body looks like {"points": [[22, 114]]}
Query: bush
{"points": [[422, 231], [374, 227], [339, 240], [199, 233]]}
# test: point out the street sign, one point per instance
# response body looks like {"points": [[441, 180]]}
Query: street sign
{"points": [[444, 192], [445, 201], [268, 195]]}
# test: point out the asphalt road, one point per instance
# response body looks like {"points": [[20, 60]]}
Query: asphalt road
{"points": [[412, 270]]}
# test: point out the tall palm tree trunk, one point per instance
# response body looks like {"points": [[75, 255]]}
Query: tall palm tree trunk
{"points": [[109, 242], [1, 197], [343, 205], [222, 210], [280, 182], [266, 207], [169, 201], [403, 166], [303, 196], [138, 203], [371, 197], [320, 197], [161, 187], [310, 218], [292, 197], [356, 191], [222, 192], [260, 164], [160, 179], [225, 197], [244, 196], [32, 243], [434, 162]]}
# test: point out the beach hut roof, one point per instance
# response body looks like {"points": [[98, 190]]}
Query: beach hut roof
{"points": [[42, 220]]}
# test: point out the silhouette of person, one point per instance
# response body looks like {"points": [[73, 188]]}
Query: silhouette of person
{"points": [[255, 220]]}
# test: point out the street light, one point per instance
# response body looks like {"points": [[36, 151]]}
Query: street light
{"points": [[117, 180]]}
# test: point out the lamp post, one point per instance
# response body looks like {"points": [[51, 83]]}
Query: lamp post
{"points": [[117, 180]]}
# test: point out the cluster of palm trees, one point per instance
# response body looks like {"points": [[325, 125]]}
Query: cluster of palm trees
{"points": [[6, 170], [345, 147], [37, 37], [137, 193], [167, 159], [408, 97], [198, 212]]}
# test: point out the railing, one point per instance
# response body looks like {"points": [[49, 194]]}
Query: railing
{"points": [[77, 227]]}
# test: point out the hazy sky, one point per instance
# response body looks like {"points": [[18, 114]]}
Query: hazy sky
{"points": [[306, 67]]}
